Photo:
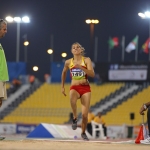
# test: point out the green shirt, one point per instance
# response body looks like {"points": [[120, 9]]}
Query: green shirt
{"points": [[3, 66]]}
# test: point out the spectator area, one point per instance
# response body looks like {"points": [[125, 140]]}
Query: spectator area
{"points": [[121, 114], [47, 104]]}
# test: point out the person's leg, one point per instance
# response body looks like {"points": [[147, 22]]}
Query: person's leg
{"points": [[85, 102], [2, 92], [147, 141], [148, 119], [97, 132], [105, 130], [3, 96], [1, 101], [74, 96], [89, 128]]}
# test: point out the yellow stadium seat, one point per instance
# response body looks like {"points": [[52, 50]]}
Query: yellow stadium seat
{"points": [[48, 105]]}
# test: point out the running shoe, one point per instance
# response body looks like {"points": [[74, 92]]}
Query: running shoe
{"points": [[84, 137], [146, 141], [74, 124]]}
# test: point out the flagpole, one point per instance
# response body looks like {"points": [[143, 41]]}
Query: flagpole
{"points": [[109, 51], [136, 52], [109, 54], [95, 49], [149, 37], [123, 46]]}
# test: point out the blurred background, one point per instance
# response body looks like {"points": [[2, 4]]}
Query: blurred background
{"points": [[115, 35]]}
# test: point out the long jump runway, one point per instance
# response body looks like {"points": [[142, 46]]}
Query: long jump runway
{"points": [[15, 143]]}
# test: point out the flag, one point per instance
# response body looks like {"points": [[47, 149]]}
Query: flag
{"points": [[146, 46], [113, 42], [132, 45]]}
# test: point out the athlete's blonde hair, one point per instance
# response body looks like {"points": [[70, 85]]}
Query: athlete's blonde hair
{"points": [[82, 48]]}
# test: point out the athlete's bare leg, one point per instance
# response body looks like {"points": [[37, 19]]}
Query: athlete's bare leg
{"points": [[85, 102], [74, 96]]}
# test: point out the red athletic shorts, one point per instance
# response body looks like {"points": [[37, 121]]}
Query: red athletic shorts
{"points": [[81, 89]]}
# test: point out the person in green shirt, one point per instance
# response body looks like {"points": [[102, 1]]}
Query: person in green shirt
{"points": [[3, 66]]}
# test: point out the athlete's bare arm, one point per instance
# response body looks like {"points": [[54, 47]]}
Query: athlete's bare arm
{"points": [[63, 76], [89, 71]]}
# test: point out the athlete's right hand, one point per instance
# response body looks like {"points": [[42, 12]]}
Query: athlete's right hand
{"points": [[142, 111], [63, 91]]}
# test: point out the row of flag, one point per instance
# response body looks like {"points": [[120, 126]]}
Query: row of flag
{"points": [[115, 42]]}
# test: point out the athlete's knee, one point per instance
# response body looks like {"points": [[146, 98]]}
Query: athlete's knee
{"points": [[84, 117], [73, 99], [73, 102], [0, 102]]}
